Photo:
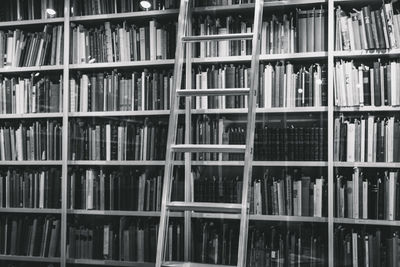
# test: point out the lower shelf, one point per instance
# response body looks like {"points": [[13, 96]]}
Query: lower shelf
{"points": [[366, 222], [110, 262], [28, 258]]}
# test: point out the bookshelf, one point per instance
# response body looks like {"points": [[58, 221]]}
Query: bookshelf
{"points": [[322, 115]]}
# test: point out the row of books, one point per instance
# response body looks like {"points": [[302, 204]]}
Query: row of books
{"points": [[30, 236], [39, 140], [115, 91], [19, 48], [285, 85], [97, 7], [30, 9], [368, 195], [122, 189], [126, 240], [280, 86], [30, 189], [114, 141], [290, 193], [300, 32], [367, 29], [291, 143], [30, 95], [367, 139], [215, 242], [125, 42], [114, 190], [366, 248], [375, 85], [274, 246]]}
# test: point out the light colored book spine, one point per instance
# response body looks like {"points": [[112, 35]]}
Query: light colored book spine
{"points": [[365, 199], [370, 132], [356, 193], [153, 39], [392, 195], [350, 141]]}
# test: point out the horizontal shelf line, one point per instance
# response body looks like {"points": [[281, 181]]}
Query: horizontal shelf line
{"points": [[206, 60], [31, 163], [197, 163], [30, 210], [366, 222], [31, 69], [15, 23], [138, 15], [31, 116], [198, 111], [28, 258], [205, 215], [109, 262], [367, 109], [367, 164], [366, 53], [126, 64]]}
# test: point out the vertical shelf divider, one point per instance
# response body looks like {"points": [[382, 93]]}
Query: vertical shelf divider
{"points": [[64, 189], [331, 28]]}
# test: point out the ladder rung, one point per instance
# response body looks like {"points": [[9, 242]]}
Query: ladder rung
{"points": [[205, 207], [209, 148], [218, 37], [202, 92]]}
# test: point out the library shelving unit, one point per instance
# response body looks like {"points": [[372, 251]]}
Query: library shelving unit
{"points": [[86, 221]]}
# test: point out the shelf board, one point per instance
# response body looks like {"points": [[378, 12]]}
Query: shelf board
{"points": [[121, 213], [197, 111], [31, 69], [265, 58], [206, 60], [31, 163], [30, 210], [263, 163], [367, 109], [16, 23], [109, 262], [131, 16], [367, 164], [125, 64], [367, 53], [197, 163], [31, 116], [275, 218], [288, 218], [118, 163], [366, 222], [119, 113], [28, 258]]}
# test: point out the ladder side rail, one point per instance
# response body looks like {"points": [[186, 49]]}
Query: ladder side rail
{"points": [[248, 164], [188, 156], [173, 120]]}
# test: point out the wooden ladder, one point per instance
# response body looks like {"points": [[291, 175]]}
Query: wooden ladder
{"points": [[183, 46]]}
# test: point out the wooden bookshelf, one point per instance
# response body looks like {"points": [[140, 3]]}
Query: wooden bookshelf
{"points": [[21, 23], [109, 262], [31, 69], [30, 116], [31, 163], [30, 210], [29, 258], [68, 70], [363, 222], [368, 164]]}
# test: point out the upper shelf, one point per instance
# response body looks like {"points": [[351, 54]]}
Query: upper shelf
{"points": [[16, 23], [391, 53], [242, 8], [207, 60]]}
